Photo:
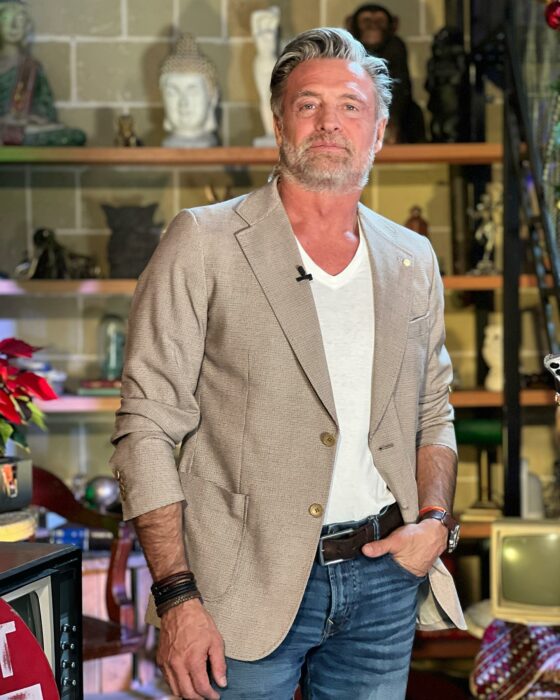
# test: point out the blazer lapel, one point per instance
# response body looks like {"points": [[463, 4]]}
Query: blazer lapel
{"points": [[392, 269], [272, 253]]}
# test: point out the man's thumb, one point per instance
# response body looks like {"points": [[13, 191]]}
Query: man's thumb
{"points": [[376, 549]]}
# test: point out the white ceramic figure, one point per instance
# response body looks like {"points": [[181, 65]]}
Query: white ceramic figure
{"points": [[265, 28], [493, 354], [189, 89]]}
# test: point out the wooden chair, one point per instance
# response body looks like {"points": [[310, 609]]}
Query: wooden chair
{"points": [[118, 634]]}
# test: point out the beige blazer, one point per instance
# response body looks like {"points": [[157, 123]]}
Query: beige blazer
{"points": [[225, 358]]}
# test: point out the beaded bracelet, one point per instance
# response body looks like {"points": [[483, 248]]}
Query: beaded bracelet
{"points": [[164, 607]]}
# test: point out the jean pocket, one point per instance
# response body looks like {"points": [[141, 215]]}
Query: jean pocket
{"points": [[405, 571]]}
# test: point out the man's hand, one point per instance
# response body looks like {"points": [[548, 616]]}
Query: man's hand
{"points": [[415, 547], [188, 640]]}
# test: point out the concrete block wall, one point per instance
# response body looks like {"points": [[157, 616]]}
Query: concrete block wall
{"points": [[103, 57]]}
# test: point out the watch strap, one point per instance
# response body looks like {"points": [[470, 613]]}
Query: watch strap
{"points": [[448, 521], [444, 516]]}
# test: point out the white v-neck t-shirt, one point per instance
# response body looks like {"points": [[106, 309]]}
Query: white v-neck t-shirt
{"points": [[344, 304]]}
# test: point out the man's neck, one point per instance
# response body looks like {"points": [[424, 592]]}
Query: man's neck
{"points": [[325, 223], [332, 212]]}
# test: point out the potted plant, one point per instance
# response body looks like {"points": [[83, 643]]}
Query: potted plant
{"points": [[18, 388]]}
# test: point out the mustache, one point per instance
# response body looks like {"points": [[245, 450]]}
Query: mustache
{"points": [[328, 140]]}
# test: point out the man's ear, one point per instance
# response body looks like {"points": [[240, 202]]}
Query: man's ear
{"points": [[379, 134], [277, 129], [395, 24]]}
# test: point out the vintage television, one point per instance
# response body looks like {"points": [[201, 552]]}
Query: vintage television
{"points": [[525, 571], [43, 584]]}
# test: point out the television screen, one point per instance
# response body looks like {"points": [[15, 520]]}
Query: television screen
{"points": [[525, 571], [28, 608], [33, 603], [530, 564]]}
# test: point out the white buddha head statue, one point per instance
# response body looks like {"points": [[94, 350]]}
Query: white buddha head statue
{"points": [[189, 88]]}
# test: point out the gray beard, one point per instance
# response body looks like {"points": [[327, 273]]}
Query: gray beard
{"points": [[323, 172]]}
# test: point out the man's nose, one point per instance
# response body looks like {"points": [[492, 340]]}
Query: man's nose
{"points": [[328, 119]]}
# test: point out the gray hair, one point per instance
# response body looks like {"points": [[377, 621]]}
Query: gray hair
{"points": [[330, 42]]}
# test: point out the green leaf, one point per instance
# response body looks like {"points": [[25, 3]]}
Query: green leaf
{"points": [[5, 431], [37, 416], [20, 439]]}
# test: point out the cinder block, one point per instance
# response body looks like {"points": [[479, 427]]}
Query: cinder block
{"points": [[150, 18], [133, 75], [68, 17], [201, 18], [55, 58]]}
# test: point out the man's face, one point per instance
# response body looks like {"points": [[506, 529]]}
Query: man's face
{"points": [[373, 28], [328, 133]]}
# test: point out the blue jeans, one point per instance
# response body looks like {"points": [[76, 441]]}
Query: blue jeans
{"points": [[351, 639]]}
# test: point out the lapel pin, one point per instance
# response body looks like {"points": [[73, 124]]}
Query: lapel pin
{"points": [[407, 262]]}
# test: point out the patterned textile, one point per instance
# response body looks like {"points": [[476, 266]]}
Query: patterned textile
{"points": [[517, 661]]}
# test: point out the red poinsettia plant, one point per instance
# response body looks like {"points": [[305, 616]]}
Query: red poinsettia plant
{"points": [[18, 388]]}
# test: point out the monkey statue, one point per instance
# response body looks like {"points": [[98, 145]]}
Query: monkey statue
{"points": [[376, 28]]}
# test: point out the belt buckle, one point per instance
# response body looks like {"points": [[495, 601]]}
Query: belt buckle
{"points": [[332, 536]]}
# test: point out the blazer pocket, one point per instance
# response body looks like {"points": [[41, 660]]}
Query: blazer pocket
{"points": [[215, 521], [419, 326]]}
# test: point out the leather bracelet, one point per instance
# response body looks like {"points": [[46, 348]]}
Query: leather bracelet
{"points": [[161, 609], [182, 589], [171, 582], [173, 578]]}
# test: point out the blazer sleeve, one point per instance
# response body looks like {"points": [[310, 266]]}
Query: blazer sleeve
{"points": [[164, 351], [435, 413]]}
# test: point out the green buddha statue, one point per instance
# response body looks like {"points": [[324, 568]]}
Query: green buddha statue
{"points": [[27, 113]]}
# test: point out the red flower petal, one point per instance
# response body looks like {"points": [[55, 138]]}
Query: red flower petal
{"points": [[8, 410], [13, 347], [34, 385]]}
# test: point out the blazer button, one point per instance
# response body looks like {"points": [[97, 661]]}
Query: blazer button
{"points": [[328, 439], [316, 510]]}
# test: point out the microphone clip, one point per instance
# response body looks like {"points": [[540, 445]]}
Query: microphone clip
{"points": [[303, 274]]}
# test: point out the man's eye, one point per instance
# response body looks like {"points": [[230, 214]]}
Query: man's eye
{"points": [[306, 106], [351, 108]]}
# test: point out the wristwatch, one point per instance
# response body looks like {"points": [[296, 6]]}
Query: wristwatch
{"points": [[449, 522]]}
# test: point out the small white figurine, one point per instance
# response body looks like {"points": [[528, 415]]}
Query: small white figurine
{"points": [[493, 354], [189, 88], [264, 28]]}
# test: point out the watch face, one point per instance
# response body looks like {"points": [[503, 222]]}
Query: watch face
{"points": [[453, 539]]}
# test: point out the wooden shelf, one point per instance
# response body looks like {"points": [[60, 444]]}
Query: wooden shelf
{"points": [[80, 404], [475, 530], [460, 399], [58, 288], [103, 287], [472, 283], [479, 398], [451, 153]]}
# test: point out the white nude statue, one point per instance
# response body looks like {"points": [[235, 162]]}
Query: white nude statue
{"points": [[189, 88], [264, 28], [493, 354]]}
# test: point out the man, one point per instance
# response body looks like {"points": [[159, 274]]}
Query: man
{"points": [[292, 342]]}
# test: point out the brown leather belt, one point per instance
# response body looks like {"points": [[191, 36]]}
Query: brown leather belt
{"points": [[347, 543]]}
